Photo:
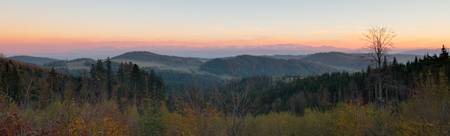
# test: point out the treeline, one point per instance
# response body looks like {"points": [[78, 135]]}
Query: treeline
{"points": [[323, 92], [413, 99], [31, 86]]}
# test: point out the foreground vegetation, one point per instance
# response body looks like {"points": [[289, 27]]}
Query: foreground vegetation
{"points": [[414, 99], [425, 114]]}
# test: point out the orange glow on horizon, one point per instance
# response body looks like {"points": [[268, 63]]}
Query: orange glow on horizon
{"points": [[32, 37], [354, 43]]}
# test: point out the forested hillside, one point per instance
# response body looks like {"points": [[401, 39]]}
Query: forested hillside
{"points": [[33, 60], [342, 61], [399, 83], [156, 61], [27, 87], [185, 72], [124, 99], [36, 87], [248, 66]]}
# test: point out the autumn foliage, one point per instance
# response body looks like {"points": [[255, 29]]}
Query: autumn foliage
{"points": [[130, 101]]}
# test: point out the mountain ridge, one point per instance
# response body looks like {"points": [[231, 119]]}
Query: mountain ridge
{"points": [[237, 66], [248, 65], [157, 61], [33, 59]]}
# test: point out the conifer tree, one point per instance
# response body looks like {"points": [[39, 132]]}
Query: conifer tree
{"points": [[109, 77], [13, 82], [444, 54], [52, 83], [136, 78], [394, 62]]}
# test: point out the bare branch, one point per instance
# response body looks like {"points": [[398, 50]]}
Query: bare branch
{"points": [[379, 41]]}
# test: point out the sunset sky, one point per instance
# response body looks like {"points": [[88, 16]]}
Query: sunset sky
{"points": [[52, 26]]}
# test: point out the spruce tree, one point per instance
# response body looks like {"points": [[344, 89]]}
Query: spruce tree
{"points": [[14, 84], [394, 62], [109, 77], [444, 54], [416, 60], [52, 83]]}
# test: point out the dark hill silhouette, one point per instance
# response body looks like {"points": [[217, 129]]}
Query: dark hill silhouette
{"points": [[33, 60], [149, 59], [342, 61], [165, 59], [247, 65]]}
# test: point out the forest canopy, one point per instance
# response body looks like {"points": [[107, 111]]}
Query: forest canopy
{"points": [[128, 100]]}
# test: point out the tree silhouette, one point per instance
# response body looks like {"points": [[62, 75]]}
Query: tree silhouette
{"points": [[444, 54], [109, 77], [379, 40]]}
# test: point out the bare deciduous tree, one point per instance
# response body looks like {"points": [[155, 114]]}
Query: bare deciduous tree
{"points": [[235, 103], [379, 42]]}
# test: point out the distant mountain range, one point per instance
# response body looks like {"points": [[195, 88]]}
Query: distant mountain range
{"points": [[350, 62], [179, 70], [238, 66], [156, 61], [33, 60], [76, 64], [247, 66], [422, 52]]}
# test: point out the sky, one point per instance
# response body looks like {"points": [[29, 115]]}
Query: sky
{"points": [[199, 27]]}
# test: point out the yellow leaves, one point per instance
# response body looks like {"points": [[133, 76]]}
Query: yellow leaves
{"points": [[419, 126], [352, 120], [176, 124], [195, 122], [78, 127], [273, 124], [113, 128], [11, 125], [414, 128], [109, 127], [418, 116], [407, 127]]}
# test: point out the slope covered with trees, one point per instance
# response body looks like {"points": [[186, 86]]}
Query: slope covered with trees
{"points": [[156, 61], [344, 61], [33, 60], [327, 90], [31, 85], [27, 87], [414, 100], [247, 66]]}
